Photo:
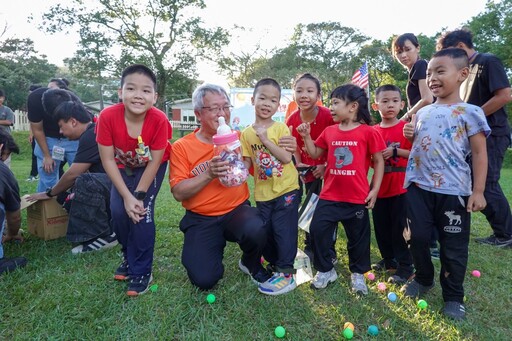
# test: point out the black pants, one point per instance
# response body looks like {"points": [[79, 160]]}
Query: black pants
{"points": [[33, 169], [497, 210], [323, 227], [388, 222], [446, 213], [206, 236], [281, 216]]}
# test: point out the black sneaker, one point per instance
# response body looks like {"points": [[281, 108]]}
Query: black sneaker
{"points": [[139, 285], [101, 243], [121, 273], [384, 265], [454, 310], [414, 289], [259, 277], [398, 280], [495, 241], [11, 264], [402, 275]]}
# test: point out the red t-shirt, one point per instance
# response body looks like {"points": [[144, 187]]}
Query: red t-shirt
{"points": [[394, 171], [323, 120], [112, 131], [348, 160]]}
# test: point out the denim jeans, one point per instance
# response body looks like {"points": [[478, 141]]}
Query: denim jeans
{"points": [[47, 180]]}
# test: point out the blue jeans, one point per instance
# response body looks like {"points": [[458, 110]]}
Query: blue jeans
{"points": [[47, 180], [2, 227]]}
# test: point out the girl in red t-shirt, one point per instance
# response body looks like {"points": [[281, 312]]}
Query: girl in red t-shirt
{"points": [[350, 147]]}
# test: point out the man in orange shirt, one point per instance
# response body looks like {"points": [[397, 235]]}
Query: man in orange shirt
{"points": [[214, 213]]}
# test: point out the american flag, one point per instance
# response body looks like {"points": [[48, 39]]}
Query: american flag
{"points": [[360, 77]]}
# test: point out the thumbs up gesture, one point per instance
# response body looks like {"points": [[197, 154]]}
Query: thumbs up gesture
{"points": [[409, 128]]}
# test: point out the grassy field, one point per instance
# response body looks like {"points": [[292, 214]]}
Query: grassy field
{"points": [[59, 296]]}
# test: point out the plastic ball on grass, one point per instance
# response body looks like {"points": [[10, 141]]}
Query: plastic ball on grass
{"points": [[348, 325], [373, 330], [392, 297], [422, 304], [370, 276], [154, 288], [348, 333], [280, 332], [476, 273], [381, 286], [210, 298]]}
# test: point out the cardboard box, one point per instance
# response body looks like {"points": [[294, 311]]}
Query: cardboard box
{"points": [[47, 219]]}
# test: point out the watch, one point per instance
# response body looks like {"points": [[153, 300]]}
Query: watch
{"points": [[139, 195], [49, 192]]}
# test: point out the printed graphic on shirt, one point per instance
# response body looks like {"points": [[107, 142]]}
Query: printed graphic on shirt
{"points": [[130, 159], [343, 157], [268, 165]]}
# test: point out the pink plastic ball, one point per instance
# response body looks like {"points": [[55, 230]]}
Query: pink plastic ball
{"points": [[381, 286], [370, 276], [476, 273]]}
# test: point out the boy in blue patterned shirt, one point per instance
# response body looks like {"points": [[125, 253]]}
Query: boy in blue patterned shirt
{"points": [[440, 193]]}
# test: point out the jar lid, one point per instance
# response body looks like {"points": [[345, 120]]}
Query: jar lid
{"points": [[225, 139]]}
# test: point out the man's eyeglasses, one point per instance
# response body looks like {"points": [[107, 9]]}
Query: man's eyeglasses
{"points": [[216, 110]]}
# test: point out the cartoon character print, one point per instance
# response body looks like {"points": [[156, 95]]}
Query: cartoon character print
{"points": [[344, 157], [130, 159], [425, 143], [438, 179], [268, 166]]}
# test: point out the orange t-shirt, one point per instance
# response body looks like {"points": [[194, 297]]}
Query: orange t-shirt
{"points": [[190, 158]]}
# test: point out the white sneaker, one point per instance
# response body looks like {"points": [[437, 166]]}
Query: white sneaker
{"points": [[97, 244], [359, 284], [322, 279]]}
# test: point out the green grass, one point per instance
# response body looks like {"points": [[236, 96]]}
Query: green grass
{"points": [[59, 296]]}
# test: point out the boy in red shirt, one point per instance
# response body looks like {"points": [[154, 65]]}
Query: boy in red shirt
{"points": [[133, 140]]}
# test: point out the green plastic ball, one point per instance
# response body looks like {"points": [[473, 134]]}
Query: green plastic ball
{"points": [[280, 332], [422, 304], [154, 288], [348, 333], [210, 298], [373, 330]]}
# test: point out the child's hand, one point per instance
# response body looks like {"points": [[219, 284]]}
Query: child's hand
{"points": [[409, 128], [318, 171], [261, 133], [370, 199], [288, 143], [476, 202], [304, 129], [134, 208]]}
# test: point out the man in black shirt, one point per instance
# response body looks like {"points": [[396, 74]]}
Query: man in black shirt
{"points": [[89, 209]]}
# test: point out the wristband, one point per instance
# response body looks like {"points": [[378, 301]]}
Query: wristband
{"points": [[395, 152], [49, 192]]}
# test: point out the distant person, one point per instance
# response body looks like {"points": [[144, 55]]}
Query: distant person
{"points": [[6, 121], [88, 204], [306, 94], [214, 214], [276, 190], [406, 50], [488, 87], [440, 192], [133, 140], [389, 210], [52, 148], [346, 196], [10, 214], [34, 175]]}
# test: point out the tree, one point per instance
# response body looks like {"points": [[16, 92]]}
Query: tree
{"points": [[161, 32]]}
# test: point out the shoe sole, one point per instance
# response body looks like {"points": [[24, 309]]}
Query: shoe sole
{"points": [[77, 250], [329, 281], [121, 278], [246, 271], [286, 289], [132, 293], [504, 245]]}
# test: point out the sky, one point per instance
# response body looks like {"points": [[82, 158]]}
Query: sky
{"points": [[272, 21]]}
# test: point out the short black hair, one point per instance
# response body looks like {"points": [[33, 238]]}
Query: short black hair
{"points": [[451, 39], [399, 42], [8, 142], [2, 93], [62, 83], [311, 78], [52, 98], [388, 87], [72, 109], [352, 93], [267, 81], [459, 56], [34, 87], [138, 68]]}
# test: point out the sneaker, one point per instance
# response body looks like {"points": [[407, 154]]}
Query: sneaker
{"points": [[495, 241], [382, 266], [11, 264], [398, 280], [358, 284], [414, 289], [101, 243], [260, 277], [139, 285], [121, 273], [31, 178], [434, 253], [454, 310], [278, 284], [322, 279], [402, 275]]}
